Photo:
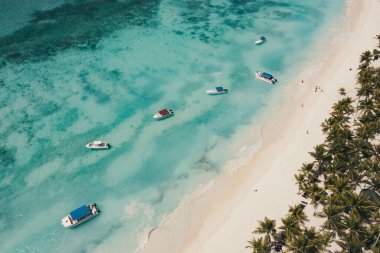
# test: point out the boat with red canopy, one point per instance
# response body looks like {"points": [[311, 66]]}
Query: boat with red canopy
{"points": [[163, 114]]}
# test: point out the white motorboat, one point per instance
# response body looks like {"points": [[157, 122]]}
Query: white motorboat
{"points": [[163, 114], [217, 91], [98, 145], [266, 77], [261, 40], [80, 215]]}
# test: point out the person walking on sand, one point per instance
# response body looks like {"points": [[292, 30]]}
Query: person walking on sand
{"points": [[307, 132]]}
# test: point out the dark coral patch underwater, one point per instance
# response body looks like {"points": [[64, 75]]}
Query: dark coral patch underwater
{"points": [[80, 25]]}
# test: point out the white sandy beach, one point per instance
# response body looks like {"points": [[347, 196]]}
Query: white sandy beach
{"points": [[221, 218]]}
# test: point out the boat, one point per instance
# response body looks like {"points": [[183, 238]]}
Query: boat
{"points": [[266, 77], [163, 114], [98, 145], [80, 215], [217, 90], [261, 40]]}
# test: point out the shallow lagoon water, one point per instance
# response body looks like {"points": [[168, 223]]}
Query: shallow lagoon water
{"points": [[90, 70]]}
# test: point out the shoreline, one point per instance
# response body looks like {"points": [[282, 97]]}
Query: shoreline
{"points": [[222, 217]]}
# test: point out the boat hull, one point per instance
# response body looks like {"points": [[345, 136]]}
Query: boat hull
{"points": [[215, 92], [159, 117], [77, 223], [92, 147]]}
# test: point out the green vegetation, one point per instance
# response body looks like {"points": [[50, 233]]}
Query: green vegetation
{"points": [[342, 183]]}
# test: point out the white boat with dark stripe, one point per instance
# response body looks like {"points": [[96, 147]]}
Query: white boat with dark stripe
{"points": [[98, 145]]}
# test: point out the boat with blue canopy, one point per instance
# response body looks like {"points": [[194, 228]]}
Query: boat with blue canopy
{"points": [[218, 90], [80, 215], [266, 77]]}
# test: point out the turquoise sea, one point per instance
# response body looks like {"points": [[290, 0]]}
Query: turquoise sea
{"points": [[74, 71]]}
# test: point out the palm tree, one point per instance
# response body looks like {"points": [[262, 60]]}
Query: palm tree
{"points": [[297, 212], [354, 225], [321, 156], [363, 149], [375, 205], [315, 193], [351, 244], [333, 218], [267, 227], [343, 106], [373, 236], [342, 91], [375, 182], [258, 245], [366, 58], [308, 168], [340, 185], [290, 227], [300, 181], [362, 68], [309, 241], [309, 173], [366, 130], [366, 106], [376, 54], [365, 79], [325, 240], [352, 201]]}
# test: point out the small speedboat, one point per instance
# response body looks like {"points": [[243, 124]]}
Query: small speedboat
{"points": [[261, 40], [266, 77], [217, 91], [98, 145], [163, 114], [80, 215]]}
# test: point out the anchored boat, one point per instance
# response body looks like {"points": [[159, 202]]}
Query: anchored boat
{"points": [[163, 114], [98, 145], [217, 91], [261, 40], [80, 215], [266, 77]]}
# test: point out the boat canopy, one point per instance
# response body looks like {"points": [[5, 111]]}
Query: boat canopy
{"points": [[219, 88], [266, 75], [80, 212], [97, 142], [164, 112]]}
